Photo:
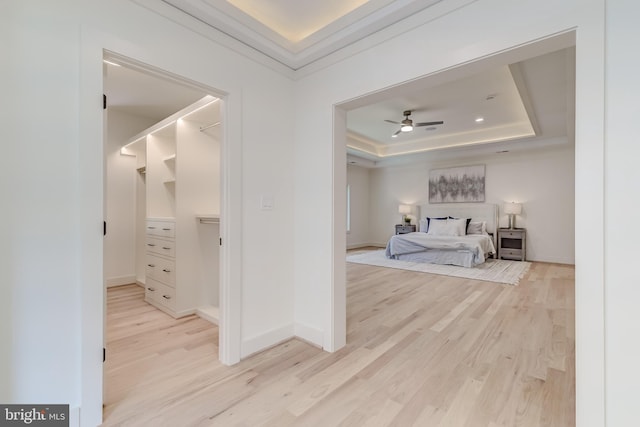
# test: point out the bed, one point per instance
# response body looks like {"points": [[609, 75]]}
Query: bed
{"points": [[456, 234]]}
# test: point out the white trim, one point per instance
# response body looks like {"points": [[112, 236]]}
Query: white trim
{"points": [[335, 333], [94, 44], [307, 333], [210, 314], [269, 339], [589, 205], [121, 280], [91, 240], [231, 230]]}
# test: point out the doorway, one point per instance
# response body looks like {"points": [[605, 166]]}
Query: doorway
{"points": [[163, 147]]}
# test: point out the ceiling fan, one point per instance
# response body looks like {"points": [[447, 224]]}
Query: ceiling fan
{"points": [[407, 124]]}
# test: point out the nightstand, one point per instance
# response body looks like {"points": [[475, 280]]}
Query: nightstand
{"points": [[512, 243], [404, 229]]}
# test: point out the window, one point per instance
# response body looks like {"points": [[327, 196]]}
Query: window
{"points": [[348, 208]]}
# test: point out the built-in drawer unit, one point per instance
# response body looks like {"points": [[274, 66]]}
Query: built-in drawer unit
{"points": [[160, 264], [161, 247], [161, 269], [166, 229], [160, 294]]}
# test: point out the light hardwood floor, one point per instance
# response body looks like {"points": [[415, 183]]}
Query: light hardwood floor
{"points": [[422, 350]]}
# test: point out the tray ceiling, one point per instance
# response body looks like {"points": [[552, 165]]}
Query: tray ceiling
{"points": [[297, 33]]}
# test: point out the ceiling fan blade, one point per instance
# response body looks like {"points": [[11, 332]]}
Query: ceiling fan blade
{"points": [[428, 123], [391, 121], [397, 132]]}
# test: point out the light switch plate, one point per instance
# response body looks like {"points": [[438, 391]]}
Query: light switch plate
{"points": [[266, 202]]}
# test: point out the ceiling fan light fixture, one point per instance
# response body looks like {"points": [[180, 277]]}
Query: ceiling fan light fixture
{"points": [[406, 128]]}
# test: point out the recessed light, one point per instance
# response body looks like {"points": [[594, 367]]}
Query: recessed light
{"points": [[502, 151], [431, 128], [480, 120]]}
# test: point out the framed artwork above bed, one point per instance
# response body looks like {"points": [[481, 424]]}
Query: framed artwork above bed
{"points": [[457, 185]]}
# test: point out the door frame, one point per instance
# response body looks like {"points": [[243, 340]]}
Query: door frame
{"points": [[95, 46]]}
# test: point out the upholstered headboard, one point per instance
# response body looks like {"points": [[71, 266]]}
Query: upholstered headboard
{"points": [[487, 212]]}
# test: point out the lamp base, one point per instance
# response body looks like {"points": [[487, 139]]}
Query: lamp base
{"points": [[512, 221]]}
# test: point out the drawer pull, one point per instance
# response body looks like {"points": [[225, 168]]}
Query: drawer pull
{"points": [[150, 244], [166, 229], [151, 228], [166, 297], [166, 271], [151, 289], [151, 265], [166, 248]]}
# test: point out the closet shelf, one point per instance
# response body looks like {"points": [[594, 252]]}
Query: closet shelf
{"points": [[142, 170], [170, 181], [171, 158]]}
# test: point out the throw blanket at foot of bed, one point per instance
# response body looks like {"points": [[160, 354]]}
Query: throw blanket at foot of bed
{"points": [[438, 249]]}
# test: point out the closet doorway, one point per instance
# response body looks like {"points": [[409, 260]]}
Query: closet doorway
{"points": [[162, 149]]}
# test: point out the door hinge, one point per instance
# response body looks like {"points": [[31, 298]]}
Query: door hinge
{"points": [[104, 101], [104, 228], [221, 241], [104, 354]]}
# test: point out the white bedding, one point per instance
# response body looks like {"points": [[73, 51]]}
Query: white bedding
{"points": [[465, 251]]}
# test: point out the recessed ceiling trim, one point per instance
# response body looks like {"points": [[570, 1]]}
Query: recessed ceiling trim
{"points": [[341, 33]]}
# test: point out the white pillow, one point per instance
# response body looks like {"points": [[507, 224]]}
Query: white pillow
{"points": [[477, 227], [447, 227], [423, 226], [458, 226]]}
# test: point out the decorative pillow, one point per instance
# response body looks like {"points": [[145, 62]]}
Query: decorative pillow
{"points": [[458, 226], [429, 221], [477, 228], [438, 228], [447, 227], [423, 226], [467, 225]]}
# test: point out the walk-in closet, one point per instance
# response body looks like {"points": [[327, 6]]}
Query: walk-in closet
{"points": [[178, 185]]}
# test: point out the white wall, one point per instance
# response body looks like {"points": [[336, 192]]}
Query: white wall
{"points": [[622, 152], [543, 180], [51, 175], [120, 198], [358, 180], [474, 35], [52, 187]]}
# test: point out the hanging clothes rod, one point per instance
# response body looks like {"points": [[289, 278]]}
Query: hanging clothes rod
{"points": [[202, 129], [208, 219]]}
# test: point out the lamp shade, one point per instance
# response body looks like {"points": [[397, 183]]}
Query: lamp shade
{"points": [[404, 209], [512, 208]]}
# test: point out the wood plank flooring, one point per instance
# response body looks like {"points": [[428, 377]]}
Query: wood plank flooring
{"points": [[422, 350]]}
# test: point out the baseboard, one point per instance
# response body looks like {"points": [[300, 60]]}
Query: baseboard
{"points": [[209, 313], [121, 280], [309, 334], [269, 339]]}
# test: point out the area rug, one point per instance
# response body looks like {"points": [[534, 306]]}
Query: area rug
{"points": [[493, 270]]}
